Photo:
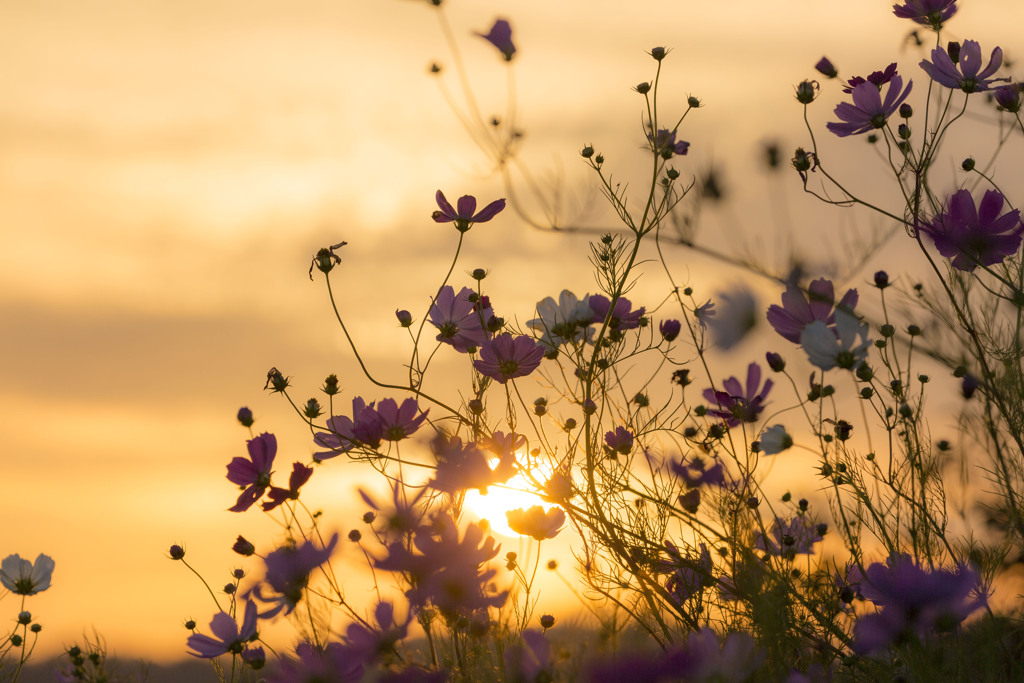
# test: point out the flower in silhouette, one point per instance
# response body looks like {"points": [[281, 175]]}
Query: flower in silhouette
{"points": [[798, 310], [299, 476], [686, 574], [879, 78], [22, 577], [342, 437], [975, 236], [966, 74], [622, 317], [466, 215], [333, 662], [795, 537], [913, 601], [506, 357], [459, 467], [254, 473], [926, 12], [736, 404], [618, 441], [500, 36], [868, 111], [664, 143], [288, 570], [399, 422], [536, 522], [229, 637], [368, 644]]}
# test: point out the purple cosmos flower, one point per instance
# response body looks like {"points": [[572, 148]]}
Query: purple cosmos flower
{"points": [[299, 476], [504, 357], [342, 438], [288, 570], [1008, 97], [399, 422], [529, 661], [869, 110], [459, 467], [22, 577], [500, 36], [664, 143], [926, 12], [457, 320], [975, 236], [696, 472], [368, 644], [686, 574], [536, 522], [736, 405], [229, 637], [401, 516], [799, 310], [619, 441], [334, 663], [967, 74], [913, 601], [879, 78], [706, 658], [254, 473], [619, 318], [465, 217], [795, 537]]}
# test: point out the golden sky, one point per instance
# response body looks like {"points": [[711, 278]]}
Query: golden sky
{"points": [[167, 170]]}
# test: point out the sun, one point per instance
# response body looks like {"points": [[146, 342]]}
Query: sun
{"points": [[501, 498]]}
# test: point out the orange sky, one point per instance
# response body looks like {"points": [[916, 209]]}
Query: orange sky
{"points": [[168, 169]]}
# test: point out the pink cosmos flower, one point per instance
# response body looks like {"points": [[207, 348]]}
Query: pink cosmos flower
{"points": [[464, 217], [796, 537], [254, 473], [536, 522], [22, 577], [879, 78], [619, 318], [619, 441], [500, 36], [695, 472], [334, 662], [736, 404], [967, 74], [687, 575], [341, 438], [368, 644], [504, 357], [399, 422], [664, 143], [229, 636], [288, 570], [299, 476], [457, 320], [926, 12], [868, 111], [459, 467], [799, 310], [975, 236]]}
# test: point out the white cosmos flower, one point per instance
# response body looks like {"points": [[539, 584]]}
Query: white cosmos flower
{"points": [[25, 578], [563, 322], [837, 346], [775, 440]]}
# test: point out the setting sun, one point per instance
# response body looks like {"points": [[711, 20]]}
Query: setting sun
{"points": [[501, 498]]}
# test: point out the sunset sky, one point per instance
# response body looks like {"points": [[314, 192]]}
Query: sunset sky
{"points": [[168, 169]]}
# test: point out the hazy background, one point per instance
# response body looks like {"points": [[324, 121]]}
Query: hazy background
{"points": [[167, 170]]}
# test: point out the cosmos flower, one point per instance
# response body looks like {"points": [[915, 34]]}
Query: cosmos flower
{"points": [[926, 12], [686, 574], [618, 441], [459, 467], [966, 74], [565, 322], [368, 644], [342, 438], [664, 143], [254, 473], [399, 422], [670, 329], [536, 522], [774, 440], [299, 476], [879, 78], [229, 636], [973, 236], [22, 577], [798, 310], [619, 318], [528, 661], [913, 601], [466, 215], [736, 404], [830, 347], [868, 111], [695, 472], [506, 357], [796, 537], [333, 662], [457, 320], [500, 36], [1008, 97], [734, 318], [288, 570]]}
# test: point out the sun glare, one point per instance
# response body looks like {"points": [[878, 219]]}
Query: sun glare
{"points": [[511, 495]]}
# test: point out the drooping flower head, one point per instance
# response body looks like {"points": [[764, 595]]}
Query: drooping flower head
{"points": [[22, 577], [774, 440], [254, 473], [506, 357], [466, 215], [926, 12], [798, 310], [500, 36], [1008, 97], [736, 404], [868, 110], [975, 236], [457, 320], [229, 636], [913, 601], [879, 78], [966, 74], [536, 522]]}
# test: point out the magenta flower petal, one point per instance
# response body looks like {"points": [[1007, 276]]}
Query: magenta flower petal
{"points": [[500, 36]]}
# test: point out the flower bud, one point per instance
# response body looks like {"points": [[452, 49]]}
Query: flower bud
{"points": [[478, 274], [906, 111], [404, 318], [587, 152], [547, 621], [643, 88], [354, 535], [692, 102], [570, 424], [552, 565], [35, 628], [276, 380], [312, 409], [24, 617], [881, 279], [589, 407], [670, 329], [903, 131], [330, 386], [826, 68], [245, 417], [230, 588], [967, 164], [244, 547], [806, 91], [801, 160], [476, 406], [176, 552], [238, 573], [953, 50], [540, 406], [659, 54], [775, 361]]}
